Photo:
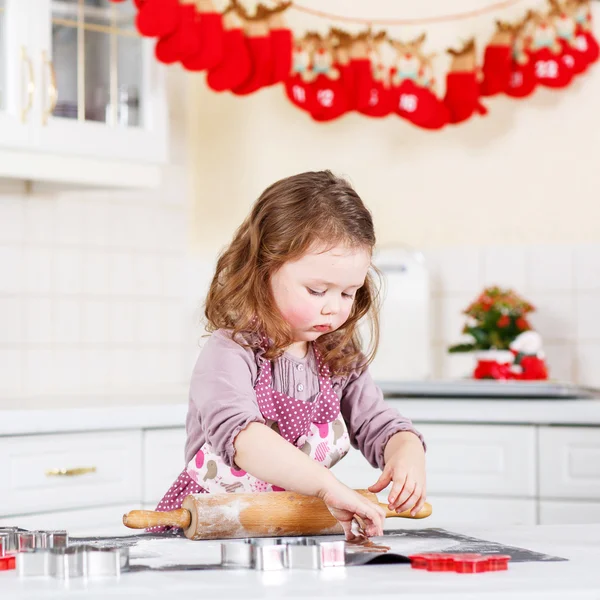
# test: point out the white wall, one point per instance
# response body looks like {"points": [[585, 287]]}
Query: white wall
{"points": [[526, 173]]}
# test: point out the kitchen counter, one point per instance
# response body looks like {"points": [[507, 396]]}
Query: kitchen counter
{"points": [[575, 579], [168, 409]]}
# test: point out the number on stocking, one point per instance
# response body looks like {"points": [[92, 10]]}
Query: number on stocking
{"points": [[546, 69], [373, 97], [325, 98], [408, 103], [299, 93], [581, 43]]}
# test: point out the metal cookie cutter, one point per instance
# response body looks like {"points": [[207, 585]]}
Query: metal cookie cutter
{"points": [[30, 540], [104, 561], [66, 562], [312, 554], [237, 554], [33, 563], [10, 535], [269, 554]]}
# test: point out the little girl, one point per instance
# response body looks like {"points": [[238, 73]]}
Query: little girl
{"points": [[281, 388]]}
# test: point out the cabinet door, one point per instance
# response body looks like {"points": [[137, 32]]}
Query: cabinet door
{"points": [[102, 90], [17, 75], [163, 457], [560, 512], [570, 462]]}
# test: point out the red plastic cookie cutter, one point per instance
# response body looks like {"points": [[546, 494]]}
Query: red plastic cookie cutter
{"points": [[459, 563], [7, 562]]}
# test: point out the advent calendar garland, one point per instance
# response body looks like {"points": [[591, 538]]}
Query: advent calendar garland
{"points": [[330, 75]]}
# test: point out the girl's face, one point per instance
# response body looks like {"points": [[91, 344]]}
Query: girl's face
{"points": [[315, 293]]}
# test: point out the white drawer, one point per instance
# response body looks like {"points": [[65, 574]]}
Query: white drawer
{"points": [[494, 460], [570, 462], [163, 461], [560, 512], [26, 486], [99, 521]]}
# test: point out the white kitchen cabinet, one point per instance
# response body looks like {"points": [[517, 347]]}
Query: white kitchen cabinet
{"points": [[561, 512], [82, 98], [570, 462], [465, 459], [163, 461], [56, 472]]}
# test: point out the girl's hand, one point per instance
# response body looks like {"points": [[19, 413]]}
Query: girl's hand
{"points": [[345, 505], [405, 467]]}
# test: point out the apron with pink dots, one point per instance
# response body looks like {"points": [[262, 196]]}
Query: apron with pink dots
{"points": [[316, 427]]}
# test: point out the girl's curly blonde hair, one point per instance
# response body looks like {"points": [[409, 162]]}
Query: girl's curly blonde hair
{"points": [[290, 217]]}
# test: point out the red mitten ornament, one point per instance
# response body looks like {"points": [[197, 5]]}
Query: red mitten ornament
{"points": [[157, 18], [182, 42], [235, 66], [497, 61], [462, 87], [210, 31], [522, 81], [259, 47]]}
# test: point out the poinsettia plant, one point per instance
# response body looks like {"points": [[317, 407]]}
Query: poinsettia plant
{"points": [[494, 320]]}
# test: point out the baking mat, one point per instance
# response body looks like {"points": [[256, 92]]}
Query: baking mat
{"points": [[169, 552]]}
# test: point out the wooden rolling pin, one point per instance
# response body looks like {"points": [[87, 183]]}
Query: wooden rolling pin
{"points": [[264, 514]]}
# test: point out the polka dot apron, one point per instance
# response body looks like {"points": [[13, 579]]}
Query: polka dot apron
{"points": [[316, 427]]}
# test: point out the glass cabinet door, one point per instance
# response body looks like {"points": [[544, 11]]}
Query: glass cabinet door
{"points": [[103, 95], [17, 78]]}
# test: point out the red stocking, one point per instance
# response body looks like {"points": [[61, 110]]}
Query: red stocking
{"points": [[462, 96], [573, 58], [522, 80], [184, 41], [211, 52], [281, 53], [349, 77], [300, 93], [330, 99], [496, 70], [419, 105], [373, 98], [550, 70], [158, 18], [259, 46], [586, 43], [236, 66]]}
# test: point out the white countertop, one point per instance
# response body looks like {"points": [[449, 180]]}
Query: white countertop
{"points": [[168, 409], [578, 578]]}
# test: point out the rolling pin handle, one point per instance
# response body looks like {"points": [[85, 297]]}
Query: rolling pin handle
{"points": [[142, 519]]}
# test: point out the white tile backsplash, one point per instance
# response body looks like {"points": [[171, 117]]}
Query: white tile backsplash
{"points": [[95, 272], [67, 320], [588, 323], [120, 274], [455, 270], [554, 317], [94, 322], [38, 269], [550, 268], [40, 218], [12, 268], [587, 267], [39, 320], [121, 321], [12, 216], [587, 360], [11, 371], [11, 320], [68, 271]]}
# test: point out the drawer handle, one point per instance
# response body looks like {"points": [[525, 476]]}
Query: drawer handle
{"points": [[76, 472]]}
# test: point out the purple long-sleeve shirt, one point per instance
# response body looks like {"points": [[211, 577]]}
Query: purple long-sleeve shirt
{"points": [[223, 402]]}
